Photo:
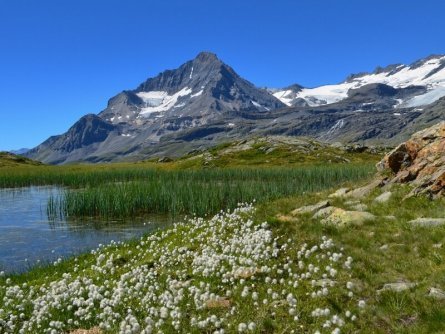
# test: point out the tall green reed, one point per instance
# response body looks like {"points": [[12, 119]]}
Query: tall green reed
{"points": [[198, 192]]}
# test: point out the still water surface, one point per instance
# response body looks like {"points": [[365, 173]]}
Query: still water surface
{"points": [[28, 237]]}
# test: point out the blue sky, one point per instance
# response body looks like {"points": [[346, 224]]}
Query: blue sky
{"points": [[60, 59]]}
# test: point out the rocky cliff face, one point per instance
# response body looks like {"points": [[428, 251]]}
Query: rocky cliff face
{"points": [[419, 161]]}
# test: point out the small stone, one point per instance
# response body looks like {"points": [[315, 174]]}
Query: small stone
{"points": [[164, 159], [436, 293], [359, 207], [339, 193], [383, 198], [384, 247], [246, 272], [286, 218], [311, 208], [218, 303], [323, 213], [397, 287], [427, 222], [325, 282], [390, 217], [439, 245], [94, 330], [352, 202]]}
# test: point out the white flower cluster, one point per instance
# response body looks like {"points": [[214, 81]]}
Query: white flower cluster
{"points": [[226, 274]]}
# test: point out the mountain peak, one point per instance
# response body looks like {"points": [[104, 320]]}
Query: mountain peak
{"points": [[206, 56]]}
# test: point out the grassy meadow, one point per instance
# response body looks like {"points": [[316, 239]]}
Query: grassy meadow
{"points": [[198, 184], [240, 269]]}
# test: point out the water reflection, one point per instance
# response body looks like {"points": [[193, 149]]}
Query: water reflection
{"points": [[28, 237]]}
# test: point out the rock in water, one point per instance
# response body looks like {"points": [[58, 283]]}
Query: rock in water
{"points": [[419, 161]]}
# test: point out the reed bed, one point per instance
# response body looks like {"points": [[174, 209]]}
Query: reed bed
{"points": [[199, 192], [72, 176]]}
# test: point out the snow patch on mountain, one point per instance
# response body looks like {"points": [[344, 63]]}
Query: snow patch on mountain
{"points": [[197, 94], [284, 96], [427, 98], [159, 101]]}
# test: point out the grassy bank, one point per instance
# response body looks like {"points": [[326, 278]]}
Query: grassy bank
{"points": [[200, 192], [387, 250], [226, 275], [234, 273]]}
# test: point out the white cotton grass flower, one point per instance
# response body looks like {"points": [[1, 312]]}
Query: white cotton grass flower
{"points": [[175, 278]]}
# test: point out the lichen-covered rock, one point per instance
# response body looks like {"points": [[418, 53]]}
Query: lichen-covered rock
{"points": [[311, 208], [397, 287], [436, 293], [427, 222], [383, 198], [419, 161], [365, 190], [323, 213], [339, 193], [340, 217]]}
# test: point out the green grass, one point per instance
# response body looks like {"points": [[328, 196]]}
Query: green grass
{"points": [[74, 176], [412, 254], [9, 160], [200, 192], [269, 151]]}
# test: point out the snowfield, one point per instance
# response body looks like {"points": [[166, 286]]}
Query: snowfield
{"points": [[430, 73], [159, 101]]}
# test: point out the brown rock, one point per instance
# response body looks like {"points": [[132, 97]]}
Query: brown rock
{"points": [[94, 330], [420, 161], [218, 303], [286, 218], [246, 272]]}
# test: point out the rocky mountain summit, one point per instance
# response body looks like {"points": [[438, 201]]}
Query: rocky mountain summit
{"points": [[204, 103]]}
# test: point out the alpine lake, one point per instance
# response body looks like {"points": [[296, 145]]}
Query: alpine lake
{"points": [[29, 237]]}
